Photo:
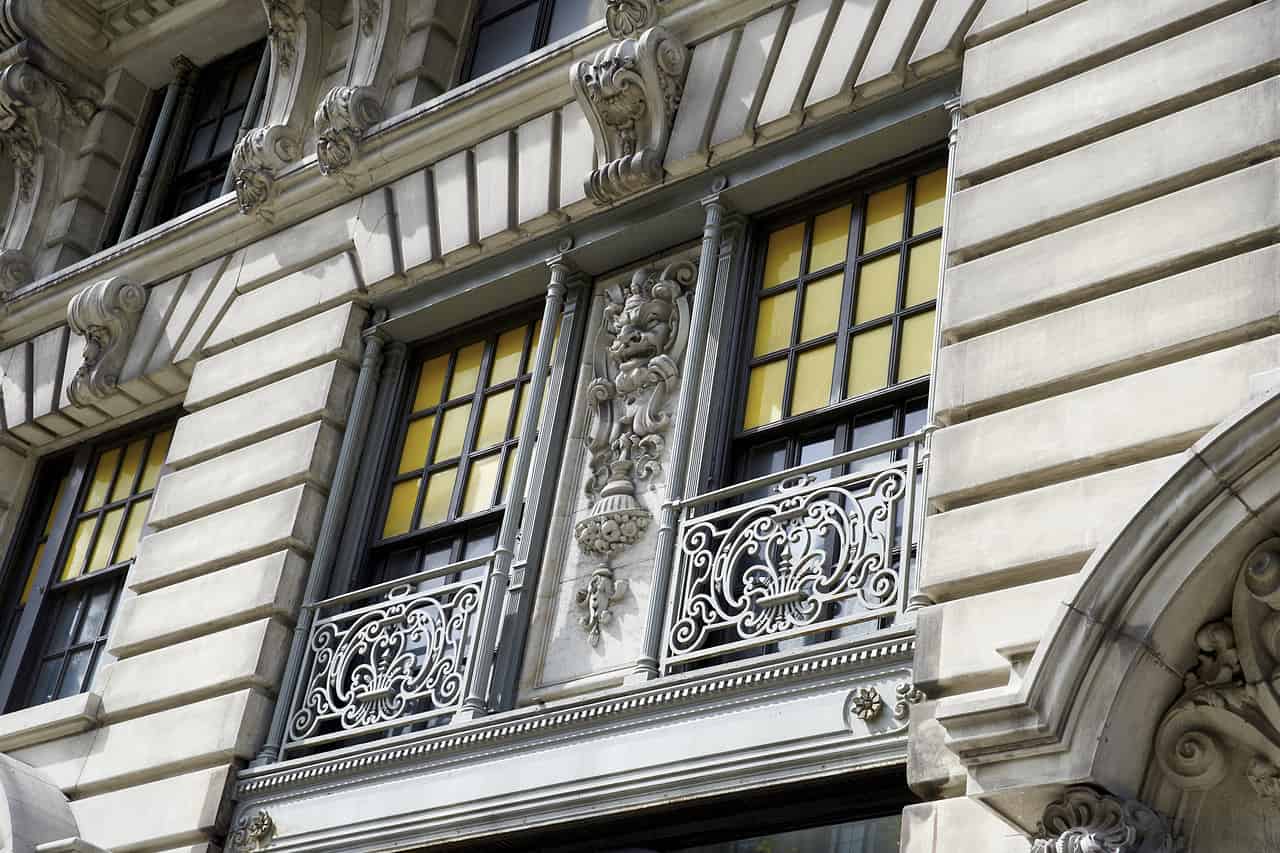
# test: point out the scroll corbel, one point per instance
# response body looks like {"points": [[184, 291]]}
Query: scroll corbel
{"points": [[106, 315]]}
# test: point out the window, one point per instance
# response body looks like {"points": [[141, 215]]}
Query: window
{"points": [[64, 580], [505, 30]]}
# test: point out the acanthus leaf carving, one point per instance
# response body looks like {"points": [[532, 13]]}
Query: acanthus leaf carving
{"points": [[106, 314], [253, 833], [282, 30], [343, 116], [629, 92], [256, 159], [1087, 821]]}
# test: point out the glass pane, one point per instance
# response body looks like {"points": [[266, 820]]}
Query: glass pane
{"points": [[430, 383], [453, 433], [46, 681], [106, 542], [872, 429], [917, 347], [466, 370], [417, 441], [400, 510], [128, 470], [133, 530], [869, 361], [922, 273], [504, 40], [201, 141], [821, 307], [877, 289], [765, 459], [79, 549], [812, 386], [931, 192], [435, 506], [101, 482], [506, 356], [481, 481], [830, 238], [493, 419], [155, 459], [523, 391], [774, 319], [782, 258], [567, 17], [764, 394], [507, 470], [243, 84], [227, 133], [32, 572], [73, 681], [815, 447], [480, 542], [95, 616], [884, 218]]}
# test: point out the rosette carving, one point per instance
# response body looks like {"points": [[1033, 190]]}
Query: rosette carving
{"points": [[1086, 821], [630, 91], [106, 315], [343, 116]]}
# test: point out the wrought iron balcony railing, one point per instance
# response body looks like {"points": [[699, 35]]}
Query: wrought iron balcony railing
{"points": [[393, 656], [815, 552]]}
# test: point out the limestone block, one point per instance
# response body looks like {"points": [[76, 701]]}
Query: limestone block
{"points": [[287, 519], [1127, 89], [577, 158], [757, 51], [46, 358], [302, 245], [221, 291], [332, 334], [1061, 44], [850, 40], [946, 826], [708, 71], [1001, 16], [246, 656], [372, 233], [783, 102], [48, 721], [305, 454], [1032, 535], [168, 812], [1123, 332], [415, 210], [939, 43], [535, 140], [933, 770], [186, 304], [1104, 254], [898, 30], [984, 640], [286, 300], [269, 586], [15, 383], [495, 203], [60, 760], [453, 202], [143, 749], [1092, 428], [320, 392]]}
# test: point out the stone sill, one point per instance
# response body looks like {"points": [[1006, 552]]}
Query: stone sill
{"points": [[49, 721]]}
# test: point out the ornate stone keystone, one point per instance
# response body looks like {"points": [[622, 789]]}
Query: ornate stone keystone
{"points": [[106, 315], [630, 91], [1086, 821]]}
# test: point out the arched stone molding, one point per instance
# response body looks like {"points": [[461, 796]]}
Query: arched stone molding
{"points": [[294, 28], [33, 811], [1115, 655], [347, 111]]}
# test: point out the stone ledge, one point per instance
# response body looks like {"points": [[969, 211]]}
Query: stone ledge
{"points": [[49, 721]]}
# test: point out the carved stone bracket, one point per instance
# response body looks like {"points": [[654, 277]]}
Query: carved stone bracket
{"points": [[596, 601], [106, 315], [1086, 821], [253, 833], [256, 159], [343, 116], [630, 91]]}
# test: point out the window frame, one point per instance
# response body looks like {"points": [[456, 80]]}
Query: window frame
{"points": [[25, 634], [540, 35]]}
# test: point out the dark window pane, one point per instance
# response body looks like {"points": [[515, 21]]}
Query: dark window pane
{"points": [[504, 40], [201, 140], [816, 447], [493, 8], [77, 674], [243, 86], [190, 200], [95, 618], [914, 415], [64, 623], [872, 429], [227, 133], [46, 683], [567, 17]]}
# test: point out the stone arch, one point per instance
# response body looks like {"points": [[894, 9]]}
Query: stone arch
{"points": [[1116, 655], [32, 809]]}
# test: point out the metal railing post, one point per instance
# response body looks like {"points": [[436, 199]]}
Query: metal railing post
{"points": [[646, 666], [476, 703]]}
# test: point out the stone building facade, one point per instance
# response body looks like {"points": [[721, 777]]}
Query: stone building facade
{"points": [[840, 426]]}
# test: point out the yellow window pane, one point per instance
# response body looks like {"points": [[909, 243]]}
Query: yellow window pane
{"points": [[813, 379], [884, 218], [106, 543], [922, 272], [506, 356], [821, 307], [453, 433], [830, 238], [782, 258], [917, 347], [931, 193], [869, 360], [400, 509], [877, 289], [155, 458], [133, 531], [31, 573], [430, 383], [53, 508], [79, 549], [493, 419], [128, 470], [435, 506], [765, 388], [774, 319], [101, 482], [417, 441], [466, 370], [481, 481]]}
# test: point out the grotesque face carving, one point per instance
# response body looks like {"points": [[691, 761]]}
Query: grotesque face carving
{"points": [[643, 330]]}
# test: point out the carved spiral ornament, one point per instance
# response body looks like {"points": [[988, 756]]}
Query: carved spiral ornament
{"points": [[1086, 821]]}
